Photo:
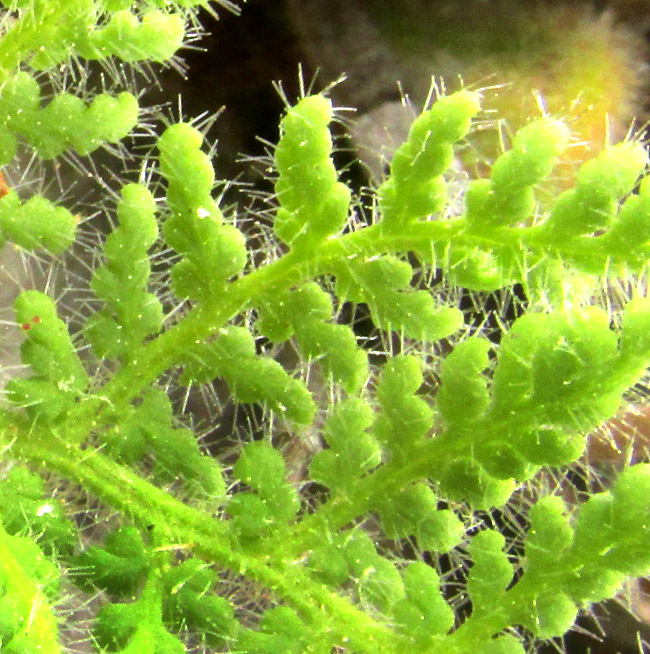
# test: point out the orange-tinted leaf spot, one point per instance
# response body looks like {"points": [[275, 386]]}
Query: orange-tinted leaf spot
{"points": [[26, 326], [4, 187]]}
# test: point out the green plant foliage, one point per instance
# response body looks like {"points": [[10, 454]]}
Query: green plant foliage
{"points": [[357, 503], [416, 187], [147, 429], [131, 312], [423, 612], [281, 631], [189, 602], [36, 223], [27, 622], [155, 37], [59, 376], [491, 571], [508, 196], [413, 512], [26, 510], [119, 567], [212, 251], [401, 378], [136, 626], [251, 378], [261, 467], [383, 284], [66, 121], [600, 184], [306, 312], [313, 204], [353, 451]]}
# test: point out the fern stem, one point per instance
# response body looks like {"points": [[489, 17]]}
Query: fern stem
{"points": [[176, 522]]}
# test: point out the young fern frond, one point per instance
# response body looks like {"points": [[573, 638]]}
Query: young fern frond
{"points": [[413, 444]]}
